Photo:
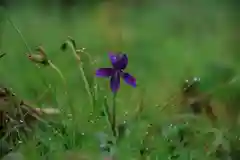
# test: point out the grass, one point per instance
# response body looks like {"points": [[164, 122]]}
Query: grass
{"points": [[166, 44]]}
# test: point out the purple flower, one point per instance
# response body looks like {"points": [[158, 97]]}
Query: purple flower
{"points": [[119, 63]]}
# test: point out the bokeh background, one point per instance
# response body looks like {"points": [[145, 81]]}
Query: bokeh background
{"points": [[167, 41]]}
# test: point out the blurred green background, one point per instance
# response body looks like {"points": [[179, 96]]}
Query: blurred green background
{"points": [[167, 41]]}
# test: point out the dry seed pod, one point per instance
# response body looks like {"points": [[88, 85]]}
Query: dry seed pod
{"points": [[41, 51], [40, 58]]}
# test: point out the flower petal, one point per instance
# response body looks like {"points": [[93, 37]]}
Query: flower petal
{"points": [[115, 82], [119, 61], [129, 79], [104, 72], [113, 57]]}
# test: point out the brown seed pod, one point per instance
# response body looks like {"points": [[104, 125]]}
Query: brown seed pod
{"points": [[40, 58]]}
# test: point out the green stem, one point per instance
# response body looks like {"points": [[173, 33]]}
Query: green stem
{"points": [[80, 65], [95, 86], [20, 34], [59, 73], [107, 112], [113, 126]]}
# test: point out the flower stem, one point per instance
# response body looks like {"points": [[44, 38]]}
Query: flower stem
{"points": [[59, 73], [113, 124], [80, 66]]}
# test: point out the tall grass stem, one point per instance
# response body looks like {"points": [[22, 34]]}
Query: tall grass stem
{"points": [[80, 66]]}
